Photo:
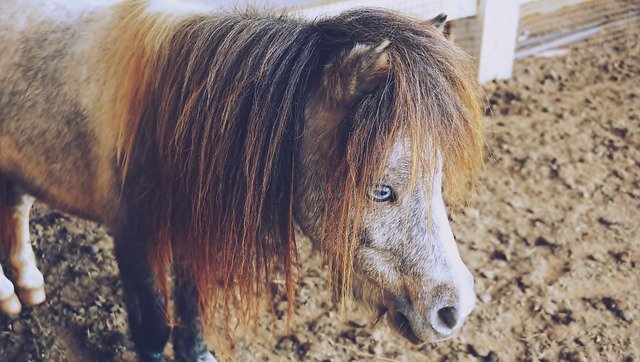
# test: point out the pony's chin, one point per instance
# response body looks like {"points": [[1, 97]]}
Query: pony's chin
{"points": [[397, 321], [401, 324]]}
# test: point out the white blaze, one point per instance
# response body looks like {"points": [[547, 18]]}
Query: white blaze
{"points": [[452, 268]]}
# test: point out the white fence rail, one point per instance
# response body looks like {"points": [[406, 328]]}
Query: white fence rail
{"points": [[455, 9]]}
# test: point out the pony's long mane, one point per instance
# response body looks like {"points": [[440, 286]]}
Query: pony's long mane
{"points": [[210, 109]]}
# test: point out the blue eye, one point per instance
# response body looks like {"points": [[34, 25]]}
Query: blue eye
{"points": [[382, 193]]}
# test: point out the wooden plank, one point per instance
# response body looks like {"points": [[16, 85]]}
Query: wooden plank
{"points": [[455, 9], [559, 42], [499, 19], [530, 7]]}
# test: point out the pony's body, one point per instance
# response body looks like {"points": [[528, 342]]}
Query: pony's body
{"points": [[51, 141], [198, 138]]}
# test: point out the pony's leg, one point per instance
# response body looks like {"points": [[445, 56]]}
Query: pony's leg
{"points": [[9, 303], [28, 279], [145, 306], [188, 341]]}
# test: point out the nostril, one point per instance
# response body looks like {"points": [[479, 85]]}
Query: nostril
{"points": [[448, 316]]}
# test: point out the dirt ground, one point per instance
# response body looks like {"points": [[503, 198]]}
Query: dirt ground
{"points": [[552, 237]]}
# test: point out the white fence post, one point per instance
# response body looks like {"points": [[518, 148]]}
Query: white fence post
{"points": [[499, 22]]}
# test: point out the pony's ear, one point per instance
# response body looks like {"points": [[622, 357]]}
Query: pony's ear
{"points": [[354, 73], [439, 20]]}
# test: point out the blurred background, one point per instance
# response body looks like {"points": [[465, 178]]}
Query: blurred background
{"points": [[552, 236]]}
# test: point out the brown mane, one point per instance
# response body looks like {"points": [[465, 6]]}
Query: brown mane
{"points": [[209, 111]]}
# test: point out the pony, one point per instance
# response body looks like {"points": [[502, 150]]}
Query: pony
{"points": [[203, 138]]}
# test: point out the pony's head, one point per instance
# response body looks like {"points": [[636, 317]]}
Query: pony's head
{"points": [[233, 126], [393, 119]]}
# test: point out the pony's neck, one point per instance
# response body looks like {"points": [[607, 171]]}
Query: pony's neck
{"points": [[315, 148]]}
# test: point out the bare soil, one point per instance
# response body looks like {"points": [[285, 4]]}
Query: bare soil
{"points": [[552, 237]]}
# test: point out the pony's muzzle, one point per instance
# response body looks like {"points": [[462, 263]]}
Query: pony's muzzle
{"points": [[431, 319]]}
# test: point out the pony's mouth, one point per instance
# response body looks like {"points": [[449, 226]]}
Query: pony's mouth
{"points": [[400, 323]]}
